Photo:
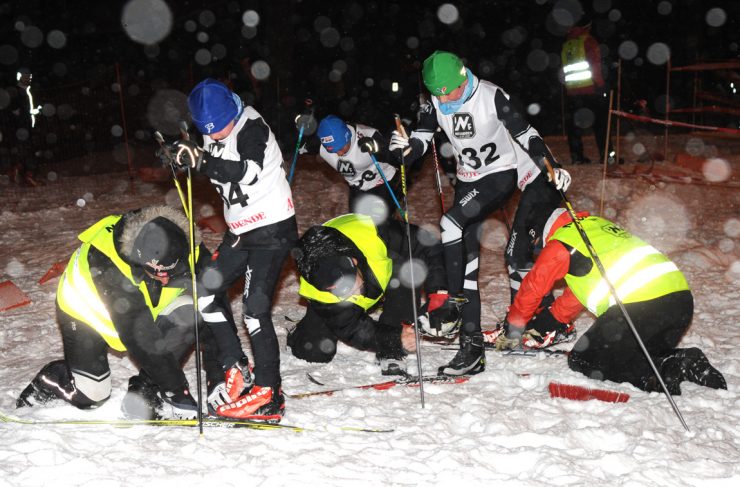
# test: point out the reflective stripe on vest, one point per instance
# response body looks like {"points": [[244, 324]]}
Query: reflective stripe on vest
{"points": [[638, 271], [576, 69], [77, 295], [361, 230]]}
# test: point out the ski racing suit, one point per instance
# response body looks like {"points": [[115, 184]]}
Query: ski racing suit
{"points": [[368, 193], [246, 169], [496, 150]]}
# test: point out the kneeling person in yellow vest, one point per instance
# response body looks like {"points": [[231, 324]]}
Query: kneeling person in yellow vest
{"points": [[126, 288], [654, 293], [347, 266]]}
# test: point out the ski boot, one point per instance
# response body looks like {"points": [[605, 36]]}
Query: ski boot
{"points": [[142, 400], [469, 360], [260, 404], [392, 366]]}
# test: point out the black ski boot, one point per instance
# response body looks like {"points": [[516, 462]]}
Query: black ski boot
{"points": [[52, 382], [469, 360], [142, 401], [696, 368], [685, 364]]}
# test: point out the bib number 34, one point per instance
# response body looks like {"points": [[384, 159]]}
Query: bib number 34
{"points": [[236, 196]]}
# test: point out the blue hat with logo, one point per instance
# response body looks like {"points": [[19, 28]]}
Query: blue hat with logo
{"points": [[212, 106], [333, 133]]}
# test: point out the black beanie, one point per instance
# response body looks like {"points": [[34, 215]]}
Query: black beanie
{"points": [[335, 274], [161, 247]]}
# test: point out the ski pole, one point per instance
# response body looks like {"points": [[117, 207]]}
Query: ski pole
{"points": [[189, 212], [613, 291], [417, 338], [295, 154], [437, 178], [171, 158], [309, 112], [387, 184]]}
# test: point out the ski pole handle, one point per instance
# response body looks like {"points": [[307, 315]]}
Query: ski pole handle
{"points": [[399, 125]]}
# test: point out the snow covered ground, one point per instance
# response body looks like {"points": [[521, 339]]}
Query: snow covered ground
{"points": [[501, 428]]}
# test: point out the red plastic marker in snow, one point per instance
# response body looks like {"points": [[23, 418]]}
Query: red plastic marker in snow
{"points": [[580, 393], [54, 271], [11, 297]]}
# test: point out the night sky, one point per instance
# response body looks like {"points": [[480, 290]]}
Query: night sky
{"points": [[344, 55]]}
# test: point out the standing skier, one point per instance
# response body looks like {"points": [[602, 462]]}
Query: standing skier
{"points": [[349, 150], [243, 161], [125, 288], [347, 266], [497, 152], [654, 292]]}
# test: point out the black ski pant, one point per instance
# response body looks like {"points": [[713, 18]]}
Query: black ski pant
{"points": [[315, 337], [536, 204], [83, 378], [462, 226], [609, 350], [584, 112], [258, 256]]}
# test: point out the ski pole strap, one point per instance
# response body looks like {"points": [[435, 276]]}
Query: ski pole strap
{"points": [[387, 184], [295, 154]]}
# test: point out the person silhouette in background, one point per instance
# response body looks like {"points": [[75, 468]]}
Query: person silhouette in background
{"points": [[586, 90]]}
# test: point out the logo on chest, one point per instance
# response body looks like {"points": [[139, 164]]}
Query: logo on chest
{"points": [[345, 168], [463, 126]]}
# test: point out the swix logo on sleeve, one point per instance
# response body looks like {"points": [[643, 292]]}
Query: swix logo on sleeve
{"points": [[466, 199], [462, 126], [346, 168]]}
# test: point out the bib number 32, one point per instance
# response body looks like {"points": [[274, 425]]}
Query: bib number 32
{"points": [[472, 159]]}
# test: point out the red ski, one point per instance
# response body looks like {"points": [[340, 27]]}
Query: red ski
{"points": [[408, 381]]}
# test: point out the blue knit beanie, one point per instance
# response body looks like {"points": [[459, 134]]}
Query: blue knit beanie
{"points": [[333, 133], [212, 106]]}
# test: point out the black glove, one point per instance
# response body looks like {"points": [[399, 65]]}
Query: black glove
{"points": [[166, 154], [368, 145], [425, 117], [187, 153], [306, 120]]}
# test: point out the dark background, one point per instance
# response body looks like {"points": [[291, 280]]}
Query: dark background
{"points": [[343, 55]]}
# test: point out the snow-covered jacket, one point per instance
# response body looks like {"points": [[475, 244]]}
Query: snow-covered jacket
{"points": [[103, 289], [349, 319]]}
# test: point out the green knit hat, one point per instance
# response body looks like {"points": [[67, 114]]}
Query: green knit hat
{"points": [[443, 72]]}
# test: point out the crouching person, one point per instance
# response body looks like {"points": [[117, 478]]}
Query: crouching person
{"points": [[347, 266], [125, 288], [653, 290]]}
